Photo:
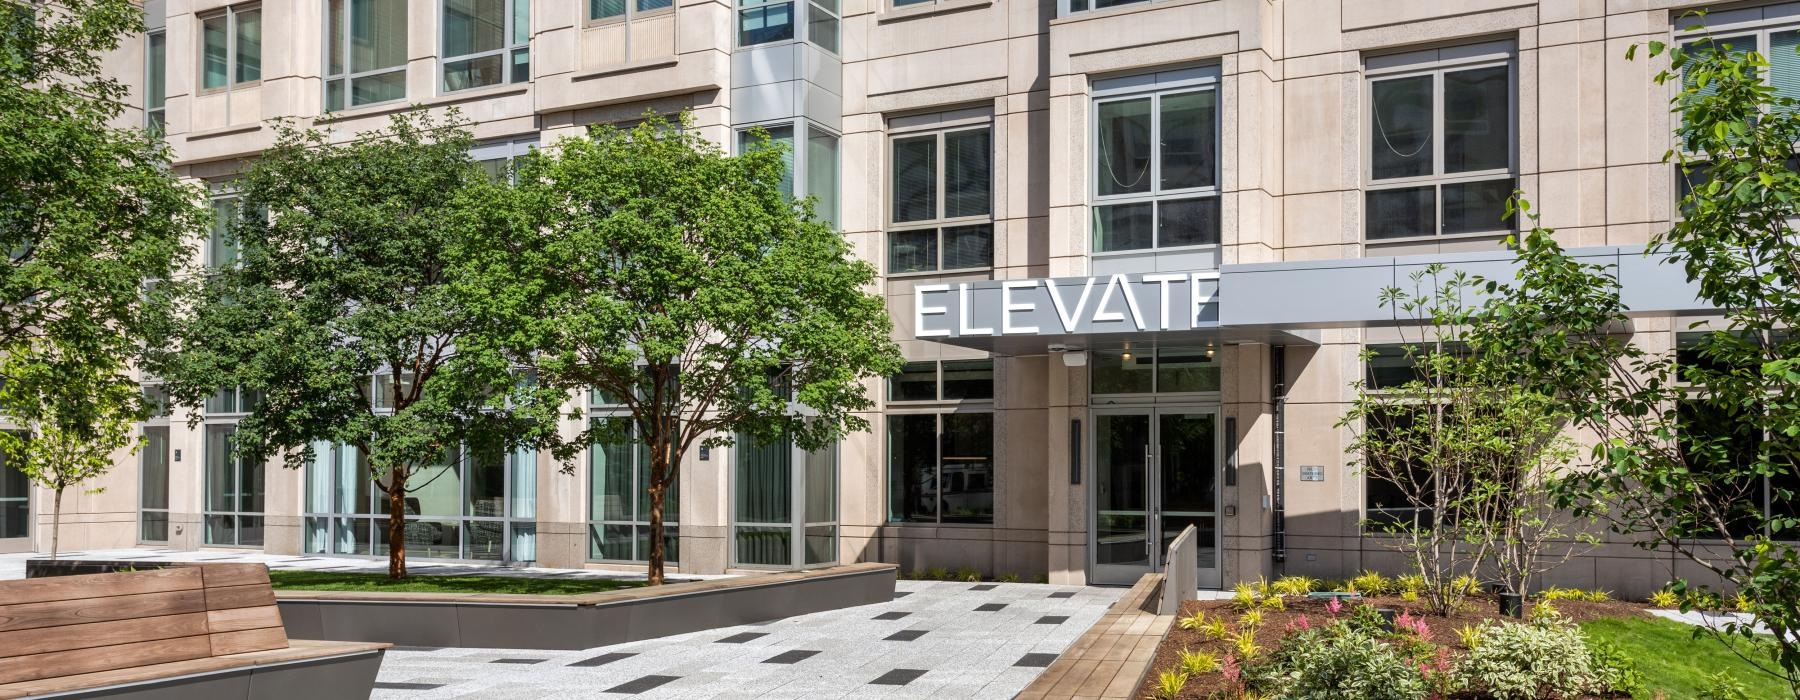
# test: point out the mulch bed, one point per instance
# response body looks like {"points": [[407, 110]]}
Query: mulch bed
{"points": [[1475, 610]]}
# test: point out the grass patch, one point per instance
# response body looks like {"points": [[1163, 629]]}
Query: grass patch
{"points": [[335, 581], [1677, 663]]}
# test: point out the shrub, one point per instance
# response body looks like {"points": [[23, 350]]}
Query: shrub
{"points": [[1246, 644], [1469, 635], [1721, 686], [1274, 602], [1664, 598], [1466, 585], [1196, 663], [1250, 620], [1410, 583], [1294, 585], [1169, 685], [1337, 662], [1514, 661], [937, 573], [1192, 622], [1370, 583], [1007, 578], [1598, 596], [968, 575], [1615, 669], [1365, 619]]}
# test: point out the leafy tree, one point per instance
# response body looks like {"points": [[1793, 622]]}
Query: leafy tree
{"points": [[76, 414], [1725, 500], [339, 314], [1473, 443], [89, 212], [687, 286]]}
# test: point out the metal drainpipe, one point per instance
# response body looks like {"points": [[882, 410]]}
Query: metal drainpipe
{"points": [[1278, 454]]}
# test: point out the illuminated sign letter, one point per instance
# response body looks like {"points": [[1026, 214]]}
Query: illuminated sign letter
{"points": [[920, 311], [1008, 307]]}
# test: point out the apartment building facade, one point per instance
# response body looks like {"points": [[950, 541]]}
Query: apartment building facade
{"points": [[1132, 250]]}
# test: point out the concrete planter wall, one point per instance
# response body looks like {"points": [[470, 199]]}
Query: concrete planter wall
{"points": [[578, 622]]}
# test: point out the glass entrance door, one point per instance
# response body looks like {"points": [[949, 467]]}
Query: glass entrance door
{"points": [[1155, 472]]}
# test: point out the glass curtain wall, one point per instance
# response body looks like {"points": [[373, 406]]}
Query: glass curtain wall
{"points": [[365, 52], [471, 505], [15, 501], [153, 485], [784, 505], [233, 516], [814, 173], [619, 497], [1156, 171], [486, 42]]}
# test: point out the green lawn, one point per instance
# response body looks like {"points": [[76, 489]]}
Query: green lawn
{"points": [[334, 581], [1675, 662]]}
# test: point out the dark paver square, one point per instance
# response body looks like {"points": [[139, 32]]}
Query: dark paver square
{"points": [[642, 684], [984, 587], [901, 594], [898, 676], [742, 637], [791, 657], [1063, 594], [604, 659], [1036, 660], [518, 661], [1052, 619], [905, 635], [990, 607], [891, 615], [379, 685]]}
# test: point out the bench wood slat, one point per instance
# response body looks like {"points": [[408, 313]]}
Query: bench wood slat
{"points": [[66, 663], [100, 634], [74, 612], [222, 575], [264, 639], [251, 596], [240, 619], [43, 590]]}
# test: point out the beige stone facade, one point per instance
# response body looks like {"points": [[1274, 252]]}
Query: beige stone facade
{"points": [[1293, 167]]}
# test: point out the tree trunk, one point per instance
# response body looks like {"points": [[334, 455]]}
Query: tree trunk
{"points": [[659, 486], [56, 523], [397, 524]]}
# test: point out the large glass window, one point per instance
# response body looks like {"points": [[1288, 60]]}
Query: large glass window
{"points": [[1440, 144], [15, 501], [156, 81], [1085, 5], [770, 21], [365, 52], [473, 504], [1146, 370], [812, 170], [941, 467], [1156, 161], [230, 48], [233, 514], [949, 380], [619, 495], [221, 243], [153, 485], [940, 192], [784, 507], [486, 42], [498, 157], [603, 11]]}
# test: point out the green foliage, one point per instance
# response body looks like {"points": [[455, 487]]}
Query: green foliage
{"points": [[937, 573], [89, 212], [1547, 658], [1007, 578], [968, 575], [1196, 663], [685, 284], [1721, 686], [1195, 621], [1664, 599], [1409, 583], [1370, 583], [349, 254], [1469, 636], [1294, 585], [1366, 619], [1676, 659], [1169, 685], [1338, 662], [1614, 668]]}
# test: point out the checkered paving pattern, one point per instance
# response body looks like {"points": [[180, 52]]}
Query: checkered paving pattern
{"points": [[935, 639]]}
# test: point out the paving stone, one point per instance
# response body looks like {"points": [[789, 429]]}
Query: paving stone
{"points": [[604, 659], [891, 615], [1036, 660], [984, 587], [518, 661], [1052, 619], [904, 636], [898, 676], [1063, 594], [642, 684], [742, 637], [791, 657], [990, 607], [379, 685]]}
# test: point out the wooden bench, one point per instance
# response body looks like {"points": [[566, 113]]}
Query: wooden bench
{"points": [[190, 631], [1113, 657]]}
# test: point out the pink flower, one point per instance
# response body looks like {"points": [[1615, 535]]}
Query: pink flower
{"points": [[1229, 668], [1333, 606], [1443, 660], [1298, 624]]}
